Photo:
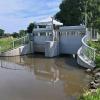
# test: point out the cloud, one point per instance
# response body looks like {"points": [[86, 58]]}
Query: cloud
{"points": [[17, 14]]}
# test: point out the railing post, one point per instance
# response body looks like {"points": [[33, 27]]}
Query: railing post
{"points": [[94, 54], [24, 40], [13, 44]]}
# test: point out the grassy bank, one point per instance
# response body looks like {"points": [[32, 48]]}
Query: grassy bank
{"points": [[96, 45], [10, 43], [6, 43], [94, 95]]}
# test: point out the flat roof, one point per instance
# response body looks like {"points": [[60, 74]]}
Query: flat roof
{"points": [[48, 21]]}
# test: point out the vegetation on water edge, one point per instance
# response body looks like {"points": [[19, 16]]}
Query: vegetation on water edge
{"points": [[10, 43], [96, 45], [94, 95], [6, 43]]}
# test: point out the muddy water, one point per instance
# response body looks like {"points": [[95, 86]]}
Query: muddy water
{"points": [[40, 78]]}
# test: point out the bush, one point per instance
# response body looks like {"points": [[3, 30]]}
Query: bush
{"points": [[97, 60], [91, 95], [96, 45]]}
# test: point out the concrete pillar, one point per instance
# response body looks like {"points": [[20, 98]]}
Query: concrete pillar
{"points": [[51, 48], [31, 47]]}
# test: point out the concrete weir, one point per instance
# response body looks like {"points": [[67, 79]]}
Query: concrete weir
{"points": [[51, 48], [52, 38]]}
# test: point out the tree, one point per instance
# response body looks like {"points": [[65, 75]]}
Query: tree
{"points": [[75, 12], [1, 32], [93, 12], [71, 12], [22, 33], [30, 27], [15, 35]]}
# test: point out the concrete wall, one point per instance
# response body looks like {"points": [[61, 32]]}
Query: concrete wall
{"points": [[39, 43], [51, 48], [39, 47], [22, 50], [67, 44], [41, 39], [70, 44], [83, 62]]}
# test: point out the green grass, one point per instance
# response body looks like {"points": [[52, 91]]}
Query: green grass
{"points": [[91, 95], [6, 43], [96, 45], [10, 43]]}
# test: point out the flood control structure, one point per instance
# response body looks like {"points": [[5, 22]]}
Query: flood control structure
{"points": [[52, 38]]}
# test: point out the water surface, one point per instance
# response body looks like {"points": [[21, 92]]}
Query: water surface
{"points": [[39, 78]]}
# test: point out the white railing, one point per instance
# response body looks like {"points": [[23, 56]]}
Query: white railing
{"points": [[14, 44], [88, 52], [21, 41]]}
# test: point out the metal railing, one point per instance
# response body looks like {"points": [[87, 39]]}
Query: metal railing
{"points": [[14, 44], [88, 52]]}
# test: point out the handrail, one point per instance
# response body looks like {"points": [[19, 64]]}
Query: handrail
{"points": [[87, 51], [21, 38], [86, 43], [20, 41], [14, 44]]}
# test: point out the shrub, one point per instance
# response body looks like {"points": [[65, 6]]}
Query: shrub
{"points": [[91, 95]]}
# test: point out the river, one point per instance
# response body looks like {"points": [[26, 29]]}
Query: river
{"points": [[34, 77]]}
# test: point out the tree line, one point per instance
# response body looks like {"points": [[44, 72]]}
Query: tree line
{"points": [[19, 34], [76, 12], [24, 32], [14, 34]]}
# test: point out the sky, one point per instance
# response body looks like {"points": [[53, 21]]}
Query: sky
{"points": [[17, 14]]}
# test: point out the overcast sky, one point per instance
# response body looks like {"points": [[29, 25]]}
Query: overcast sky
{"points": [[17, 14]]}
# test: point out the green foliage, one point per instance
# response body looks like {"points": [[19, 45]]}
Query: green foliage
{"points": [[6, 43], [15, 35], [70, 12], [1, 32], [93, 12], [96, 45], [73, 12], [10, 43], [97, 24], [91, 95], [89, 53], [97, 60], [30, 27], [22, 33]]}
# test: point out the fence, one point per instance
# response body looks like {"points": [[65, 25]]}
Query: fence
{"points": [[87, 51], [14, 44]]}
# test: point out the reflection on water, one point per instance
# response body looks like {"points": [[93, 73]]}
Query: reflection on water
{"points": [[40, 78]]}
